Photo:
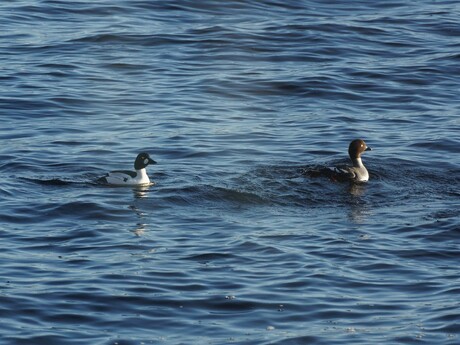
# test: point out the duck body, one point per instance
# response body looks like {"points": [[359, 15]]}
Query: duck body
{"points": [[127, 177], [130, 178], [355, 173]]}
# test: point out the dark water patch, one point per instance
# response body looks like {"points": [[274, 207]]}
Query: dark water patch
{"points": [[444, 144], [445, 215], [212, 196], [70, 210], [50, 182], [150, 40], [211, 257]]}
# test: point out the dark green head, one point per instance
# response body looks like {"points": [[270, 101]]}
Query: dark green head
{"points": [[142, 160]]}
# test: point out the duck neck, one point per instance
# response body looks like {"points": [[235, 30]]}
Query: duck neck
{"points": [[142, 173], [357, 162]]}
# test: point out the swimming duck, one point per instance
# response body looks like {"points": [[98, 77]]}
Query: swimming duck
{"points": [[131, 178], [355, 173], [358, 171]]}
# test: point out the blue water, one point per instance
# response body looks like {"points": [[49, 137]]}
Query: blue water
{"points": [[233, 99]]}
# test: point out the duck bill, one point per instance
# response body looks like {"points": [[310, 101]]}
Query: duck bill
{"points": [[368, 148], [151, 161]]}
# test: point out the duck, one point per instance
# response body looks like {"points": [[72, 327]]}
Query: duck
{"points": [[355, 173], [128, 177]]}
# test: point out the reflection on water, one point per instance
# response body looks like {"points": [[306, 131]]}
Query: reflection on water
{"points": [[140, 229], [357, 189], [141, 224], [358, 208], [141, 192], [359, 213]]}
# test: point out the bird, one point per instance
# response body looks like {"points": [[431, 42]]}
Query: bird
{"points": [[355, 173], [128, 177]]}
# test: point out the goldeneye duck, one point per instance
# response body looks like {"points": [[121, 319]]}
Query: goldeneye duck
{"points": [[356, 173], [131, 178]]}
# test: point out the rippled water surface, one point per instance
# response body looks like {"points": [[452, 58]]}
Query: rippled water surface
{"points": [[233, 244]]}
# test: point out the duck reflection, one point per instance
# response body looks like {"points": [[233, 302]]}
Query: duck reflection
{"points": [[140, 192], [141, 226], [140, 229], [359, 210], [357, 189]]}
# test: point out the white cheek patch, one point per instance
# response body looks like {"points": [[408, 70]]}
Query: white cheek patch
{"points": [[146, 161]]}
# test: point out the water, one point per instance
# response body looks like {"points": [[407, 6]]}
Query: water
{"points": [[232, 244]]}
